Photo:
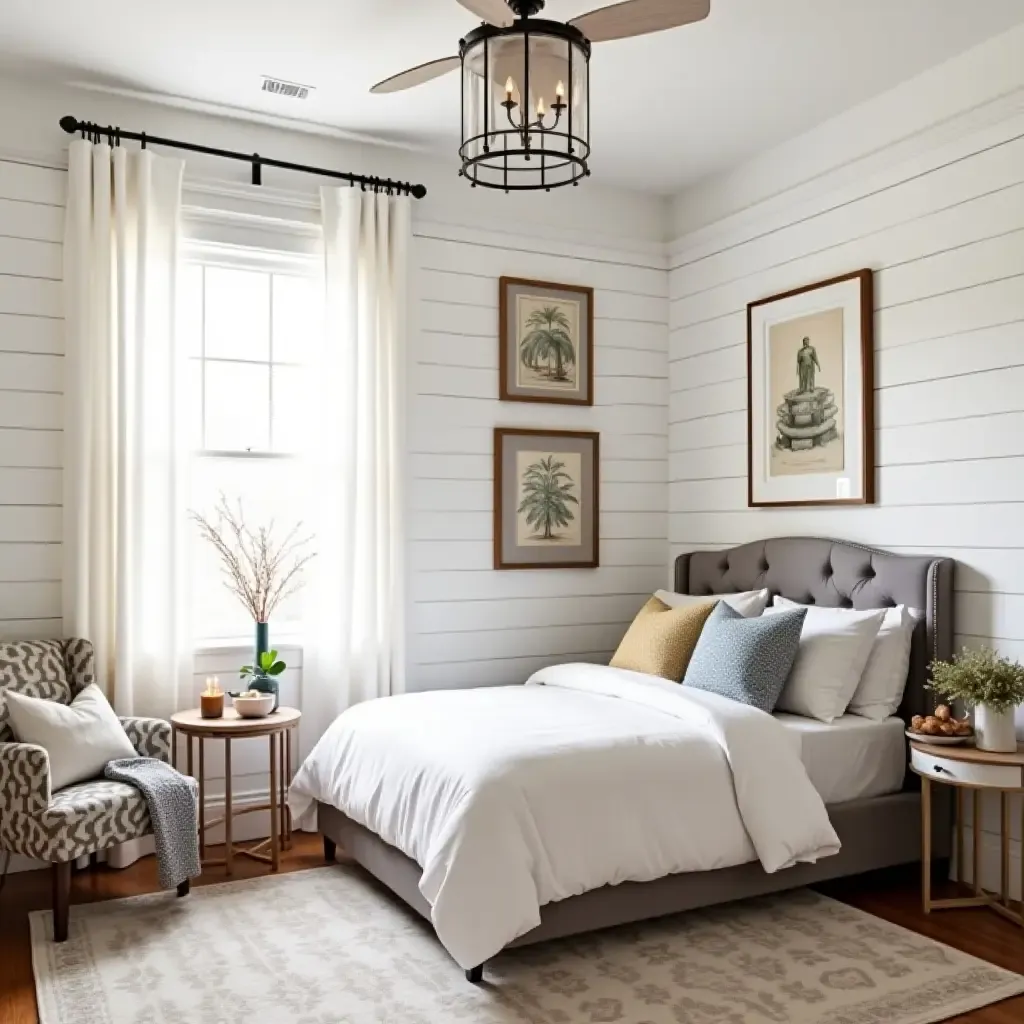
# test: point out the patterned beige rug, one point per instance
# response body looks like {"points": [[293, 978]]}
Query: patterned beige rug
{"points": [[326, 947]]}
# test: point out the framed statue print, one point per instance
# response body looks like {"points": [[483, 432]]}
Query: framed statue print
{"points": [[810, 395], [546, 499], [546, 341]]}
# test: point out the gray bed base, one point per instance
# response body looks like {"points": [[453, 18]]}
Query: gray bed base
{"points": [[875, 833]]}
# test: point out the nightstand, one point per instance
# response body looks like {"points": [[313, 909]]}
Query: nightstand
{"points": [[973, 771]]}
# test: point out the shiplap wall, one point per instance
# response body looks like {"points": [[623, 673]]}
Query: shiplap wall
{"points": [[31, 385], [468, 624], [945, 235]]}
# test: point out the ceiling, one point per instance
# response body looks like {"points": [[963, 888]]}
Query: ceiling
{"points": [[667, 109]]}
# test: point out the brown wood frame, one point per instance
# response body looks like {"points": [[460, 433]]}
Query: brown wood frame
{"points": [[503, 392], [500, 433], [867, 368]]}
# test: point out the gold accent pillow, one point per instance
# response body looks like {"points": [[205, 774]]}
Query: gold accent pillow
{"points": [[661, 639]]}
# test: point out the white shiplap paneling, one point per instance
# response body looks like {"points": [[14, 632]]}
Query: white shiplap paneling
{"points": [[31, 387], [468, 624]]}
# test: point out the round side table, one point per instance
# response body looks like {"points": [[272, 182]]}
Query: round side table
{"points": [[279, 727], [969, 770]]}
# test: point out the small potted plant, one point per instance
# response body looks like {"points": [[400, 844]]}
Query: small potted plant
{"points": [[261, 568], [992, 685], [262, 676]]}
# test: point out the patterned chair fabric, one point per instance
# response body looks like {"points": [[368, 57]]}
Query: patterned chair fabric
{"points": [[79, 819]]}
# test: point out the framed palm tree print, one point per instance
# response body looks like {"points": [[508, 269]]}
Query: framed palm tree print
{"points": [[546, 512], [546, 342]]}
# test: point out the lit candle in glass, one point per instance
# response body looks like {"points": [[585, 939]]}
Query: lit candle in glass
{"points": [[211, 700], [510, 88], [540, 108]]}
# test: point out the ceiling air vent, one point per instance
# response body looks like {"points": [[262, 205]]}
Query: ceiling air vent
{"points": [[290, 90]]}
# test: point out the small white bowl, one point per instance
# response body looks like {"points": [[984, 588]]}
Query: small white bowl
{"points": [[254, 707]]}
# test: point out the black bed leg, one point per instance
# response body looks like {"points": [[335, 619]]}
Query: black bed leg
{"points": [[475, 974], [184, 888], [330, 850]]}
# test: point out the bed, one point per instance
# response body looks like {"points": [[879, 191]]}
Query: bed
{"points": [[858, 767]]}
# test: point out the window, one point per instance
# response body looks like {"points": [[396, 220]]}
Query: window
{"points": [[247, 318]]}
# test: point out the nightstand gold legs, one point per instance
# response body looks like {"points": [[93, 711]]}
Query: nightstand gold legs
{"points": [[999, 902], [926, 844], [976, 828]]}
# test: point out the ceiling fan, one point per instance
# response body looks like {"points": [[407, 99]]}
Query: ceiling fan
{"points": [[525, 88]]}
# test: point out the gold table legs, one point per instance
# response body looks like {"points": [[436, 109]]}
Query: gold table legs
{"points": [[997, 901], [266, 850]]}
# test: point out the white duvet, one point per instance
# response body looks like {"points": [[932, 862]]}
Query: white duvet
{"points": [[513, 797]]}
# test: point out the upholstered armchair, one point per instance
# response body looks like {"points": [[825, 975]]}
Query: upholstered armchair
{"points": [[59, 827]]}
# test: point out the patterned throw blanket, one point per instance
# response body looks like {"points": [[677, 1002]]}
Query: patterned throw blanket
{"points": [[173, 801]]}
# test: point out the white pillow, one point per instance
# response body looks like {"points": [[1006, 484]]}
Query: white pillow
{"points": [[835, 645], [80, 738], [880, 690], [749, 604]]}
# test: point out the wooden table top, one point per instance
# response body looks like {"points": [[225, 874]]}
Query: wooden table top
{"points": [[970, 755], [233, 724]]}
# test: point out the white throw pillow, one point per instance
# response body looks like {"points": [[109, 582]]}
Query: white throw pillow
{"points": [[880, 691], [749, 604], [835, 645], [80, 738]]}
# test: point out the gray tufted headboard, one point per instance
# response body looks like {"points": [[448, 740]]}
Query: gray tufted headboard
{"points": [[813, 570]]}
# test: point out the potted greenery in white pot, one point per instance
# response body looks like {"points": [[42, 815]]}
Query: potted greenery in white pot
{"points": [[261, 568], [992, 685]]}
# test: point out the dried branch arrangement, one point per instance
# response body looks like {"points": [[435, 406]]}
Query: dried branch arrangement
{"points": [[259, 569]]}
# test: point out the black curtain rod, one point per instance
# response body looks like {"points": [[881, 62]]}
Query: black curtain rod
{"points": [[93, 131]]}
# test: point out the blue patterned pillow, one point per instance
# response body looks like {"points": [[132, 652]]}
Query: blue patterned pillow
{"points": [[746, 660]]}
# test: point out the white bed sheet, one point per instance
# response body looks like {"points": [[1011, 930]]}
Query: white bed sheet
{"points": [[852, 757]]}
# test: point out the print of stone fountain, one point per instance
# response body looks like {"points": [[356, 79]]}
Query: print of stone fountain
{"points": [[807, 416]]}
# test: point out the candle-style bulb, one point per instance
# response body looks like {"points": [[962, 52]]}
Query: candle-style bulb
{"points": [[560, 91], [540, 107], [510, 88]]}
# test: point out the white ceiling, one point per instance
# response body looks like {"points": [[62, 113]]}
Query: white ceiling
{"points": [[667, 109]]}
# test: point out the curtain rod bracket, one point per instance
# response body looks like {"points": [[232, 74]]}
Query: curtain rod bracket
{"points": [[257, 170]]}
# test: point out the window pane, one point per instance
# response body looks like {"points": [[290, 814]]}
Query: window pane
{"points": [[237, 406], [216, 612], [290, 408], [190, 309], [298, 304], [237, 314]]}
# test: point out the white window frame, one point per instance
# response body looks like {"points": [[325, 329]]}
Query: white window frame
{"points": [[208, 253]]}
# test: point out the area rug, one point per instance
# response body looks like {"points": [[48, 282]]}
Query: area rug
{"points": [[327, 946]]}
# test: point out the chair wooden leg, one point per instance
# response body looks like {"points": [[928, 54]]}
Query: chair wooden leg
{"points": [[330, 850], [184, 888], [475, 975], [61, 900]]}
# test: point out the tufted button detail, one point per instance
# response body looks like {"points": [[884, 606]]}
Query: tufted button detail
{"points": [[723, 565], [827, 571], [810, 599], [846, 603], [869, 573], [764, 565]]}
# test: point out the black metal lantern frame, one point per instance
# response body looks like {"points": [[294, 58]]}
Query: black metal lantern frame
{"points": [[509, 145]]}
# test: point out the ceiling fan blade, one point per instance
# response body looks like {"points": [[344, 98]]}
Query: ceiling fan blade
{"points": [[638, 17], [417, 75], [494, 12]]}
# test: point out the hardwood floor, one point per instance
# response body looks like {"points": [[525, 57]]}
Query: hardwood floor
{"points": [[892, 895]]}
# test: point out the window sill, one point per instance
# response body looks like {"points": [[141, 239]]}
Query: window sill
{"points": [[230, 644]]}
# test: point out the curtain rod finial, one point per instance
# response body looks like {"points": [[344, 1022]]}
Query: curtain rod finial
{"points": [[419, 191], [69, 124]]}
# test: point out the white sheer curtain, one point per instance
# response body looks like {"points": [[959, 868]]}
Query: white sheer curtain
{"points": [[124, 494], [354, 644]]}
